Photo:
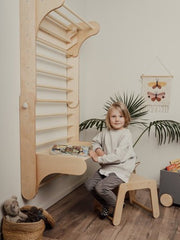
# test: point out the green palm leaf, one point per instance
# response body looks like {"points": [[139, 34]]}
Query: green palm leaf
{"points": [[93, 122], [135, 104], [165, 131]]}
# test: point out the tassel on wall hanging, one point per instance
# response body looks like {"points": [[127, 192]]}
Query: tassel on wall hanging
{"points": [[156, 91]]}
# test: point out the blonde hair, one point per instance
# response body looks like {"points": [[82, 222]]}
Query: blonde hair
{"points": [[122, 109]]}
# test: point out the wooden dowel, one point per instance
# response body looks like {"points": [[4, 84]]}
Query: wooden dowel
{"points": [[76, 15], [149, 76], [61, 38], [52, 101], [54, 46], [52, 141], [53, 74], [52, 128], [54, 88], [69, 20], [53, 115], [58, 22], [54, 60]]}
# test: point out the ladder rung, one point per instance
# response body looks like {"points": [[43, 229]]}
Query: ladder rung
{"points": [[53, 74], [76, 15], [69, 20], [61, 38], [54, 60], [53, 115], [58, 22], [52, 45], [54, 88], [53, 141], [52, 128], [53, 101]]}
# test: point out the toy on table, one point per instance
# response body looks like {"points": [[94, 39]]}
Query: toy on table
{"points": [[174, 166], [70, 149]]}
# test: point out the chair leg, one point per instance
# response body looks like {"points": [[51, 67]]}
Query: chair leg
{"points": [[132, 196], [154, 200], [119, 206]]}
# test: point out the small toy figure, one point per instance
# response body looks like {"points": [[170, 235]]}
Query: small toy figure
{"points": [[12, 210], [71, 150], [174, 166]]}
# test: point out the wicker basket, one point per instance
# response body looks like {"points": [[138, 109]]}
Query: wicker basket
{"points": [[22, 231]]}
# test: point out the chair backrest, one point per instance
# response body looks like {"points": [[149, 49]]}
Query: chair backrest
{"points": [[136, 165]]}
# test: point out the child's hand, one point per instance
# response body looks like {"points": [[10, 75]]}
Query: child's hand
{"points": [[93, 155], [99, 152]]}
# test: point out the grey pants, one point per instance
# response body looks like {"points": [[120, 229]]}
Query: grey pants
{"points": [[101, 187]]}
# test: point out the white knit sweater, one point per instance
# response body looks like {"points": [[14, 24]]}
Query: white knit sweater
{"points": [[119, 157]]}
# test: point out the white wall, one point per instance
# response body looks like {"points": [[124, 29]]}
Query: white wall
{"points": [[9, 100], [132, 34]]}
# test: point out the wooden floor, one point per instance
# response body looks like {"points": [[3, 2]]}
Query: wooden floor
{"points": [[76, 220]]}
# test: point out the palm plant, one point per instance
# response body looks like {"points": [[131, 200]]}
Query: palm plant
{"points": [[135, 104], [164, 130]]}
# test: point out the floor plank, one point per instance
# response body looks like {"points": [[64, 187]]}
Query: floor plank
{"points": [[75, 219]]}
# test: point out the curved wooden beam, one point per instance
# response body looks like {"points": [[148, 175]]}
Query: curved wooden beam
{"points": [[66, 164], [44, 7], [82, 35]]}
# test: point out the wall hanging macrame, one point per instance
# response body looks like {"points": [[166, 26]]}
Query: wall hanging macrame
{"points": [[156, 91]]}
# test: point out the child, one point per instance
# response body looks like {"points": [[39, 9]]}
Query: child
{"points": [[113, 150]]}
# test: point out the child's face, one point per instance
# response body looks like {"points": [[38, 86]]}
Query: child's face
{"points": [[117, 119]]}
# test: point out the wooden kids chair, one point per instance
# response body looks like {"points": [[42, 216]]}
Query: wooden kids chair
{"points": [[136, 182]]}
